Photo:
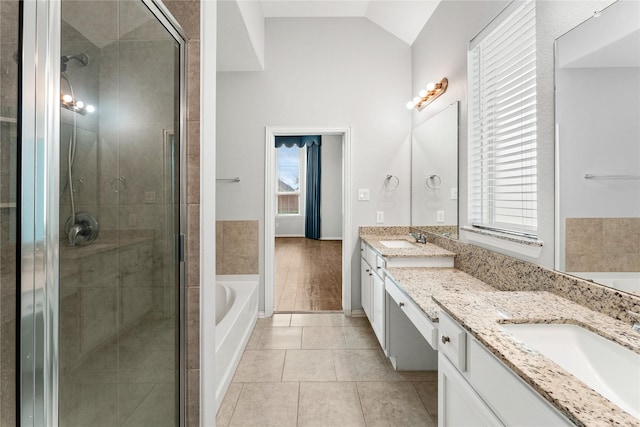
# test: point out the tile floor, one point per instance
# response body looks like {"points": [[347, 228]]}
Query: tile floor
{"points": [[324, 369]]}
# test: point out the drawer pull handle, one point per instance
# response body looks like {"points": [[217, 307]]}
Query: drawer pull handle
{"points": [[445, 339], [401, 304], [368, 270]]}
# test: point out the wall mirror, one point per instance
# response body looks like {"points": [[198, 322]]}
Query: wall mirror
{"points": [[434, 173], [597, 80]]}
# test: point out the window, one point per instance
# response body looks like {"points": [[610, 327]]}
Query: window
{"points": [[502, 123], [289, 180]]}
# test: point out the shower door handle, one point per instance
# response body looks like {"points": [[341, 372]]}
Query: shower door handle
{"points": [[180, 247]]}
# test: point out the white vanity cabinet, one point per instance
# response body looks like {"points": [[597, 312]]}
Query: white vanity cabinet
{"points": [[372, 291], [475, 388]]}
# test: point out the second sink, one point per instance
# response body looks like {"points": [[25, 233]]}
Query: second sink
{"points": [[609, 368]]}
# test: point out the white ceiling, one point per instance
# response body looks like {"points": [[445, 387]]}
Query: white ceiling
{"points": [[402, 18], [240, 46]]}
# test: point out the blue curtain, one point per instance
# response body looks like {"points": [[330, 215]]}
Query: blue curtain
{"points": [[312, 220], [312, 205]]}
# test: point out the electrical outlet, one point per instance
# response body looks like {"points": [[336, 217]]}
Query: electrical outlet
{"points": [[133, 219], [149, 196], [454, 193], [440, 216], [363, 194], [380, 217]]}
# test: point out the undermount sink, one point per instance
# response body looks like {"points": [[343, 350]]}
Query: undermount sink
{"points": [[609, 368], [397, 244]]}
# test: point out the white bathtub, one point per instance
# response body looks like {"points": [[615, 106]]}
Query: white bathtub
{"points": [[236, 314]]}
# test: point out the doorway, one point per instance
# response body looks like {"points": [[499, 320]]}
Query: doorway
{"points": [[293, 262]]}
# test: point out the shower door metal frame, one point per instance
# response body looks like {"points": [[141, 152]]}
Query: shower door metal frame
{"points": [[40, 212]]}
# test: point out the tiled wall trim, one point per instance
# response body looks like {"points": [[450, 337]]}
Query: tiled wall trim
{"points": [[188, 15], [511, 274]]}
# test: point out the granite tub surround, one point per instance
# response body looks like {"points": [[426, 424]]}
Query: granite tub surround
{"points": [[482, 313], [421, 283], [511, 274]]}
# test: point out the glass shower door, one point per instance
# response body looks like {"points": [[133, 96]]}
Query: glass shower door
{"points": [[119, 218], [9, 90]]}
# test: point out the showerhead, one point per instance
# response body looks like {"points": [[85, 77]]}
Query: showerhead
{"points": [[82, 58]]}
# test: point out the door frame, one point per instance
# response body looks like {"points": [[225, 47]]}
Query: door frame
{"points": [[270, 209]]}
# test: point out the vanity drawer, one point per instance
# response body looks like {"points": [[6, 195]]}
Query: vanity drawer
{"points": [[422, 323], [452, 341]]}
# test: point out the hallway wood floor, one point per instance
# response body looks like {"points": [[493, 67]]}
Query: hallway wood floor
{"points": [[308, 274]]}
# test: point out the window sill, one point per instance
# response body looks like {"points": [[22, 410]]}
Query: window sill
{"points": [[531, 248]]}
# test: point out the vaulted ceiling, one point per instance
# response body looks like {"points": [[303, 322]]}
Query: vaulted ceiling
{"points": [[241, 23]]}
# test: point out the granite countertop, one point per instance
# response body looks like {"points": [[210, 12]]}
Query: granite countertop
{"points": [[421, 283], [483, 313], [421, 250]]}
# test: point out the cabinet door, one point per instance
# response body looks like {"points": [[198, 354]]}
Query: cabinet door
{"points": [[458, 403], [365, 288], [378, 300]]}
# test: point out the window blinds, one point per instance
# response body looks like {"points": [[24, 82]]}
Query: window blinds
{"points": [[502, 123]]}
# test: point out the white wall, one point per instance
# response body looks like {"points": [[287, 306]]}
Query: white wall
{"points": [[331, 188], [599, 133], [441, 51], [331, 72]]}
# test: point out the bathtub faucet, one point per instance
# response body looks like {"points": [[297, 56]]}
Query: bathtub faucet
{"points": [[420, 238]]}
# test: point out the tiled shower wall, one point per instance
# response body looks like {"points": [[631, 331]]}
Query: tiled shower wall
{"points": [[237, 250], [188, 15], [602, 244]]}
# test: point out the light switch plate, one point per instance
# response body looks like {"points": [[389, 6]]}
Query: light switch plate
{"points": [[363, 194]]}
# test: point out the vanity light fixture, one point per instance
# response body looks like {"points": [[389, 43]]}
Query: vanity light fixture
{"points": [[426, 96], [75, 105]]}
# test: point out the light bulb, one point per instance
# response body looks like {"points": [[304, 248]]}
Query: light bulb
{"points": [[431, 86], [90, 108], [423, 93], [410, 105], [79, 104], [417, 100], [67, 98]]}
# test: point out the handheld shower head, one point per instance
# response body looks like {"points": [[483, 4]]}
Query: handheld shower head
{"points": [[82, 58]]}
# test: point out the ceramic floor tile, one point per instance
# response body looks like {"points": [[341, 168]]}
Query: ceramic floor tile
{"points": [[280, 338], [309, 365], [329, 404], [267, 404], [360, 365], [314, 319], [260, 366], [392, 404], [323, 337], [428, 392], [228, 405], [355, 321], [360, 337], [278, 319], [254, 339]]}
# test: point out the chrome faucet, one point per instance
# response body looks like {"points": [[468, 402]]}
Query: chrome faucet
{"points": [[636, 327], [420, 238]]}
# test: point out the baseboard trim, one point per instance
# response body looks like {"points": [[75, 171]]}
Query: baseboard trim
{"points": [[358, 313]]}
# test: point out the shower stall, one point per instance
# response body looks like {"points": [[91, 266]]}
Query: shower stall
{"points": [[92, 213]]}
